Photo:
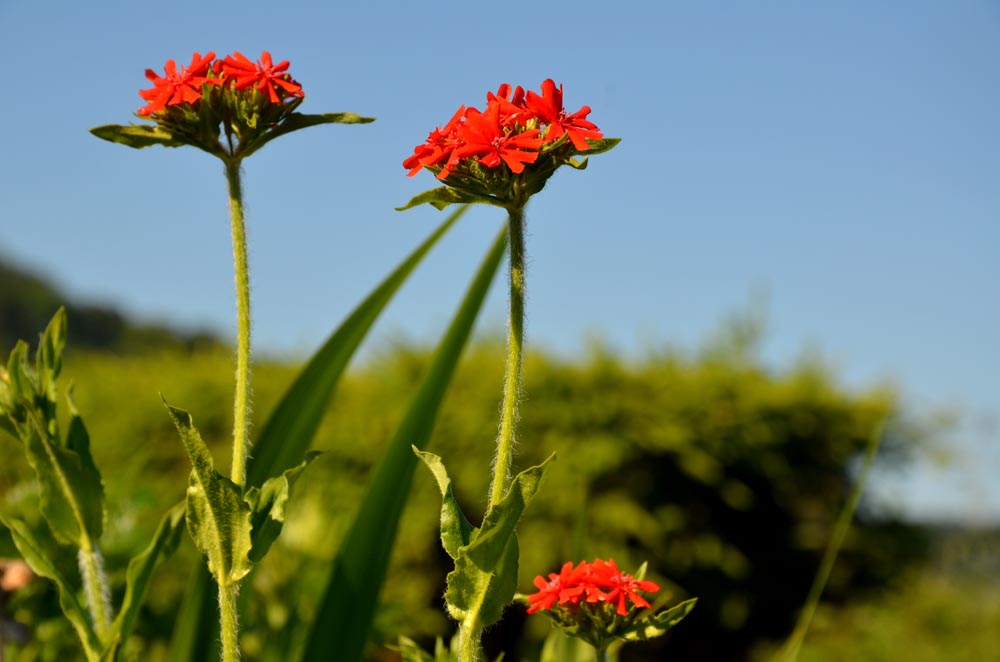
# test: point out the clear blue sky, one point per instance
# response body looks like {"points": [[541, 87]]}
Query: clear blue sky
{"points": [[842, 157]]}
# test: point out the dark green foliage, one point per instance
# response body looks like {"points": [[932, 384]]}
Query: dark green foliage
{"points": [[725, 476]]}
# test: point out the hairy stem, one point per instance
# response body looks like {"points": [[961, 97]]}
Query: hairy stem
{"points": [[468, 643], [241, 407], [229, 626], [512, 377], [95, 588]]}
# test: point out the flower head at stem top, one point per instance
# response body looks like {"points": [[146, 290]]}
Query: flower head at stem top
{"points": [[504, 154], [262, 75], [177, 87]]}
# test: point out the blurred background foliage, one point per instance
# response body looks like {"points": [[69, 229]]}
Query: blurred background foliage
{"points": [[724, 475]]}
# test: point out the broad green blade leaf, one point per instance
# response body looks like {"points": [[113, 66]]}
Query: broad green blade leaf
{"points": [[658, 624], [560, 647], [217, 517], [136, 135], [196, 633], [72, 497], [287, 434], [297, 121], [140, 574], [345, 614], [267, 507], [485, 576], [456, 530], [443, 196], [37, 547]]}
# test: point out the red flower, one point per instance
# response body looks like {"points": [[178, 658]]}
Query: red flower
{"points": [[440, 143], [562, 588], [482, 135], [549, 110], [621, 585], [597, 582], [263, 75], [177, 87], [512, 108]]}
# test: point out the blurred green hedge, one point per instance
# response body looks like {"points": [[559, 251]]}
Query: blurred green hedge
{"points": [[725, 476]]}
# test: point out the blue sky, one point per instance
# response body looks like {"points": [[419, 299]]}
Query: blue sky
{"points": [[841, 158]]}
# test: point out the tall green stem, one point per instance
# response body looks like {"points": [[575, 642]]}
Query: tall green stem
{"points": [[241, 408], [95, 588], [515, 340], [468, 643], [229, 626]]}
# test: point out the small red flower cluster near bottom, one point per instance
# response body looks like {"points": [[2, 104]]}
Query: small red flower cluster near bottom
{"points": [[597, 582]]}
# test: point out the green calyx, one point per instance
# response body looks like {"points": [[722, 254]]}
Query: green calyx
{"points": [[471, 182], [225, 122]]}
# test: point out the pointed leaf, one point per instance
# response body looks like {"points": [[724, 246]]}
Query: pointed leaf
{"points": [[267, 507], [48, 358], [136, 135], [655, 625], [456, 530], [37, 547], [72, 497], [345, 615], [600, 146], [485, 576], [443, 196], [217, 517], [286, 435], [297, 121], [140, 574]]}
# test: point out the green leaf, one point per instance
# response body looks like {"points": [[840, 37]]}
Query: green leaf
{"points": [[345, 615], [196, 632], [22, 386], [456, 530], [485, 576], [217, 517], [267, 507], [37, 548], [72, 497], [600, 146], [140, 574], [443, 196], [48, 358], [410, 651], [655, 625], [296, 121], [136, 135], [287, 434], [560, 647]]}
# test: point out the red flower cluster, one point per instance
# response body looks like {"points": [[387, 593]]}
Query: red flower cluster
{"points": [[185, 86], [597, 582], [512, 130]]}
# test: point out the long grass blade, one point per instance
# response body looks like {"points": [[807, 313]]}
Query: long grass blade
{"points": [[348, 605]]}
